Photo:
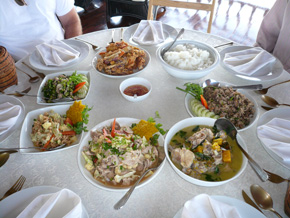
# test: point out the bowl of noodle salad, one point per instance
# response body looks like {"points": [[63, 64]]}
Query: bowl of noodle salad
{"points": [[112, 156]]}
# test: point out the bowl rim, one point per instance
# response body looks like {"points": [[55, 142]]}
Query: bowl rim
{"points": [[191, 121], [194, 42]]}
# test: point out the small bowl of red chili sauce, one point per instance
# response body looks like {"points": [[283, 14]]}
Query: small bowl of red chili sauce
{"points": [[135, 89]]}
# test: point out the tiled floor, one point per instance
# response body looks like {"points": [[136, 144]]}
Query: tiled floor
{"points": [[237, 20]]}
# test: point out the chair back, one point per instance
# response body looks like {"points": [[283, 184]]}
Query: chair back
{"points": [[154, 4]]}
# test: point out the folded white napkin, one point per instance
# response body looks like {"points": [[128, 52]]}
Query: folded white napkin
{"points": [[9, 114], [250, 62], [149, 32], [206, 207], [64, 203], [276, 136], [57, 53]]}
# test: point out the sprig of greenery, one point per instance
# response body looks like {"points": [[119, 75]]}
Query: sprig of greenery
{"points": [[79, 126], [193, 89], [157, 125]]}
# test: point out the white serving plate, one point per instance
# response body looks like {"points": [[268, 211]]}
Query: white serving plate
{"points": [[36, 61], [40, 99], [276, 71], [194, 121], [135, 72], [15, 101], [25, 139], [283, 113], [188, 99], [169, 33], [81, 161], [13, 205]]}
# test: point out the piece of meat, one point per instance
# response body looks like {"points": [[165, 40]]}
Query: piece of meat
{"points": [[183, 156], [198, 137]]}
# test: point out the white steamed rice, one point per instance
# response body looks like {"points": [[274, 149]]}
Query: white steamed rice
{"points": [[188, 57]]}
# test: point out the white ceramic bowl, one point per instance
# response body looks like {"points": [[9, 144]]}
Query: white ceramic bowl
{"points": [[193, 122], [189, 74], [135, 72], [135, 81], [85, 141]]}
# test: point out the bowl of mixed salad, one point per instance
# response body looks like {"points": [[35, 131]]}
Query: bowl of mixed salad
{"points": [[54, 128], [64, 88], [114, 154]]}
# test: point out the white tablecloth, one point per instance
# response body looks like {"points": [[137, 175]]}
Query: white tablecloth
{"points": [[167, 193]]}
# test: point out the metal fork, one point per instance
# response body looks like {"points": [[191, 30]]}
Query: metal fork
{"points": [[15, 188], [275, 178]]}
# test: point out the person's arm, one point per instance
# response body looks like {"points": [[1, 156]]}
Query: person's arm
{"points": [[71, 24]]}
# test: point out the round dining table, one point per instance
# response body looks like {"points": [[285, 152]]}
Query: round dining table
{"points": [[166, 194]]}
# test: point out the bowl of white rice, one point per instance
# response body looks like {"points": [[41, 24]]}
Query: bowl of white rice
{"points": [[188, 59]]}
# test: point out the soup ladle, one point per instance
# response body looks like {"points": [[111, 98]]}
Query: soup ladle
{"points": [[3, 158], [263, 199], [124, 199], [271, 101], [230, 129]]}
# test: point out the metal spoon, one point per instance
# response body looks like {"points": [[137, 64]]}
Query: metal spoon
{"points": [[265, 90], [271, 101], [124, 199], [228, 43], [263, 199], [3, 158], [211, 82], [21, 94], [230, 129], [169, 47], [93, 46], [33, 79], [37, 148]]}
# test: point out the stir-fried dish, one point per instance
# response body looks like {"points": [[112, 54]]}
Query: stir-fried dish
{"points": [[202, 153], [120, 58], [117, 156], [50, 129], [75, 86]]}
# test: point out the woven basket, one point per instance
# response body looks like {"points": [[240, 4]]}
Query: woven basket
{"points": [[8, 75]]}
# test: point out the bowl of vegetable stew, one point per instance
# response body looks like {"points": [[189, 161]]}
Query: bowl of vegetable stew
{"points": [[202, 156], [73, 84]]}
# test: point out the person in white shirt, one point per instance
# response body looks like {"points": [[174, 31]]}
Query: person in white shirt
{"points": [[24, 27], [274, 32]]}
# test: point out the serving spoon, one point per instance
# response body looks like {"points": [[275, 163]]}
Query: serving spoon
{"points": [[21, 94], [12, 150], [211, 82], [169, 47], [271, 101], [263, 199], [230, 129], [124, 199], [3, 158]]}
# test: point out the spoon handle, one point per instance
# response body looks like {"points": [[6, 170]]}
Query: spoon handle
{"points": [[260, 172], [178, 35], [275, 212], [125, 198], [254, 87]]}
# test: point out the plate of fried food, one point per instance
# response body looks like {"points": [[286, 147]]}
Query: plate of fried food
{"points": [[120, 60]]}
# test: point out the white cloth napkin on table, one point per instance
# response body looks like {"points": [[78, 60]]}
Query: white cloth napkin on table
{"points": [[206, 207], [251, 62], [64, 203], [9, 114], [149, 32], [276, 136], [57, 53]]}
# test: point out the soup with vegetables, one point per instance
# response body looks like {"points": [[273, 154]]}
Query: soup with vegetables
{"points": [[203, 153]]}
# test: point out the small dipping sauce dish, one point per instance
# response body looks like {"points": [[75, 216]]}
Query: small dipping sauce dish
{"points": [[135, 89]]}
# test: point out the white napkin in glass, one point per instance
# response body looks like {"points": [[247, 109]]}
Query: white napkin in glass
{"points": [[9, 114], [57, 53], [149, 32], [276, 136], [64, 203], [254, 61], [206, 207]]}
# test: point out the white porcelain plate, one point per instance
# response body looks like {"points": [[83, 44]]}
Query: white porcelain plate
{"points": [[169, 34], [283, 113], [123, 121], [188, 99], [13, 205], [25, 139], [36, 61], [40, 99], [135, 72], [244, 209], [276, 71], [15, 101]]}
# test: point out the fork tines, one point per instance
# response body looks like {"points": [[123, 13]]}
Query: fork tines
{"points": [[15, 188]]}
